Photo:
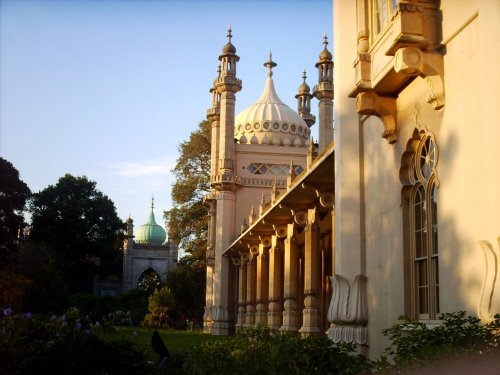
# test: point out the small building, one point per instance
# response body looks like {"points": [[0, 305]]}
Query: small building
{"points": [[146, 253]]}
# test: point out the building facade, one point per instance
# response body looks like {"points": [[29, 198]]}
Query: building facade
{"points": [[256, 156], [146, 253], [417, 191], [399, 213]]}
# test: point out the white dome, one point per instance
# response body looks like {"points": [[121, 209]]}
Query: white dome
{"points": [[270, 115]]}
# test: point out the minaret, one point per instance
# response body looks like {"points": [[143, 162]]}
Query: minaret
{"points": [[304, 102], [213, 115], [128, 245], [324, 92], [224, 182]]}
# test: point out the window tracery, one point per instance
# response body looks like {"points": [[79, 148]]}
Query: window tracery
{"points": [[273, 169], [423, 228]]}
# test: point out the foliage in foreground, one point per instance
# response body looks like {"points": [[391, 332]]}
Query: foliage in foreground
{"points": [[414, 345], [33, 344], [262, 351]]}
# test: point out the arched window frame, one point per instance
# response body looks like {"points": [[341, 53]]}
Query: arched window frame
{"points": [[420, 178]]}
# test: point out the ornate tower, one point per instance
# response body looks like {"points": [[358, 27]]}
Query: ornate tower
{"points": [[224, 184], [213, 115], [304, 102], [324, 92]]}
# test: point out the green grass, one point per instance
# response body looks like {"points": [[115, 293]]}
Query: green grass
{"points": [[175, 341]]}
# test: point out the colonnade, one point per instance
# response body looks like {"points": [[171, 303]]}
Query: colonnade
{"points": [[282, 277]]}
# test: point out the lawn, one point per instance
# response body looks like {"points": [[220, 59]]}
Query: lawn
{"points": [[176, 341]]}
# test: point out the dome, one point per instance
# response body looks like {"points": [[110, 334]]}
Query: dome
{"points": [[150, 233], [270, 117], [325, 55], [304, 88], [229, 48]]}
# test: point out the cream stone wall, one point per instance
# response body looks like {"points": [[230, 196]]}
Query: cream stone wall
{"points": [[248, 196], [369, 216]]}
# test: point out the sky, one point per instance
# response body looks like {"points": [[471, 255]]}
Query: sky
{"points": [[109, 89]]}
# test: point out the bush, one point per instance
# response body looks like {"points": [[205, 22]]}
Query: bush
{"points": [[160, 303], [135, 301], [413, 344], [94, 306], [31, 344], [262, 351]]}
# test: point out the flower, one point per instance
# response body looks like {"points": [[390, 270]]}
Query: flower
{"points": [[79, 325], [7, 311], [88, 331], [64, 318], [53, 318], [97, 324], [27, 315]]}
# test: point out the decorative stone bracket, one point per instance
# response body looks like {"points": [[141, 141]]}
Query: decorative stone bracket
{"points": [[412, 61], [348, 312], [491, 257], [370, 103]]}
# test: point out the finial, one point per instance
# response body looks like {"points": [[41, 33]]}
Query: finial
{"points": [[325, 40], [262, 201], [229, 35], [304, 75], [292, 169], [270, 65], [152, 202]]}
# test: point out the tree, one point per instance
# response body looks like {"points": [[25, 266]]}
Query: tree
{"points": [[187, 220], [13, 195], [160, 304], [80, 226], [187, 287]]}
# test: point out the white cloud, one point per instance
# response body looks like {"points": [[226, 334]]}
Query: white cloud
{"points": [[153, 167]]}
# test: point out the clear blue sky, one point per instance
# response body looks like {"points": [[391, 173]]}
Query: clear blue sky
{"points": [[108, 89]]}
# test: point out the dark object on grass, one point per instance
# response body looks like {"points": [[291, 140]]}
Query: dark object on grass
{"points": [[160, 348]]}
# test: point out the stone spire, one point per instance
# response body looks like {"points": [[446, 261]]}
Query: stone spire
{"points": [[270, 64], [213, 115], [304, 102], [292, 174], [324, 92], [227, 85]]}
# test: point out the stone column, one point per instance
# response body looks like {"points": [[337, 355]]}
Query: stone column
{"points": [[222, 269], [242, 290], [310, 313], [210, 256], [262, 285], [250, 294], [275, 314], [290, 316], [207, 316]]}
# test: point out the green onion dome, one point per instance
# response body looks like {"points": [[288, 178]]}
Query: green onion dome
{"points": [[150, 233]]}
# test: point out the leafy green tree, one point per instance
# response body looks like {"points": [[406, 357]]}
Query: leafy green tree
{"points": [[187, 286], [80, 226], [187, 220], [13, 195], [160, 303]]}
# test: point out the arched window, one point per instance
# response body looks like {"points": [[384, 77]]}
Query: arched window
{"points": [[423, 227]]}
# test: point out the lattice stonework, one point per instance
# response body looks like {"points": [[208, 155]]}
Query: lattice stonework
{"points": [[273, 169]]}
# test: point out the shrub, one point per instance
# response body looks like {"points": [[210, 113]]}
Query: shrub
{"points": [[160, 303], [32, 344], [94, 306], [413, 344], [135, 301], [262, 351]]}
